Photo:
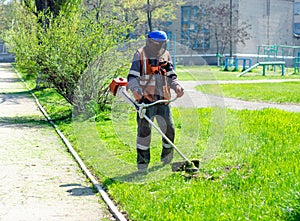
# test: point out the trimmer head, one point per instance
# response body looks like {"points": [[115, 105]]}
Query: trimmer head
{"points": [[191, 167]]}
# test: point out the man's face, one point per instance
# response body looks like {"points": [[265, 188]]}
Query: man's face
{"points": [[155, 49]]}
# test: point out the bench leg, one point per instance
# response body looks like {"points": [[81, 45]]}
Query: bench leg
{"points": [[244, 65], [264, 70], [236, 64], [226, 65]]}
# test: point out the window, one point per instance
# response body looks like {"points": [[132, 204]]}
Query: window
{"points": [[192, 34], [296, 25], [186, 13], [204, 39], [196, 11], [185, 24], [297, 8]]}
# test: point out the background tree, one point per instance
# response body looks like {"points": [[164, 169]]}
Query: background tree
{"points": [[6, 16], [158, 11], [223, 31], [146, 15], [213, 23]]}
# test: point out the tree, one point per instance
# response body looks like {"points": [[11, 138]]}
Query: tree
{"points": [[73, 48], [21, 39], [221, 23], [160, 10], [6, 16], [147, 15], [62, 52], [52, 7], [224, 30]]}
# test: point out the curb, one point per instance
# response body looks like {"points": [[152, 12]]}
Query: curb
{"points": [[114, 210]]}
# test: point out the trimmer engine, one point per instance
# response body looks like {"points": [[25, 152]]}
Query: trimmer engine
{"points": [[116, 83]]}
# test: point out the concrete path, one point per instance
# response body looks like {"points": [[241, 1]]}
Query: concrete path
{"points": [[194, 98], [39, 180]]}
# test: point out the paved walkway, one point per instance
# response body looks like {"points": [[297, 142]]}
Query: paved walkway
{"points": [[39, 180], [194, 98]]}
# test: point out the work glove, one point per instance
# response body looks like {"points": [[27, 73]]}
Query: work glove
{"points": [[179, 91], [166, 66]]}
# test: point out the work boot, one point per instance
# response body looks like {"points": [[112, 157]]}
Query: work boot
{"points": [[143, 159], [167, 155]]}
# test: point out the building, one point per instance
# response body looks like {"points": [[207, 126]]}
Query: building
{"points": [[273, 23]]}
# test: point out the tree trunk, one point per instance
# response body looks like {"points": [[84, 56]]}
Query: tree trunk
{"points": [[51, 5], [230, 24], [149, 17]]}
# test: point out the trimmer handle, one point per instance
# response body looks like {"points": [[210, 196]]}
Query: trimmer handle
{"points": [[118, 88], [155, 102]]}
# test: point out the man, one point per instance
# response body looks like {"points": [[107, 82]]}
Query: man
{"points": [[150, 78]]}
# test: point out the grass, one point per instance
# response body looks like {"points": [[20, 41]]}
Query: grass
{"points": [[250, 162], [255, 174], [217, 73], [287, 92]]}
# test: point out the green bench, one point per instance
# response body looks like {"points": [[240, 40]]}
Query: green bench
{"points": [[273, 63]]}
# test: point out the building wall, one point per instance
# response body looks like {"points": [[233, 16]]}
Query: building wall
{"points": [[269, 26], [272, 23]]}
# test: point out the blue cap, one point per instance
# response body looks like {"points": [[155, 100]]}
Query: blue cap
{"points": [[158, 35]]}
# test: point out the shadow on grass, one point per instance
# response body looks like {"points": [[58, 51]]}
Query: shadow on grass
{"points": [[24, 121], [295, 217], [294, 214], [58, 108], [133, 177]]}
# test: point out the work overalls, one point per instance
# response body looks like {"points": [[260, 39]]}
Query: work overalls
{"points": [[154, 84]]}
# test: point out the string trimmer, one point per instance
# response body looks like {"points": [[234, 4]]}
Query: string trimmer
{"points": [[118, 88]]}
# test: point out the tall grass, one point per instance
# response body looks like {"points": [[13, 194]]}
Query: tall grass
{"points": [[255, 175]]}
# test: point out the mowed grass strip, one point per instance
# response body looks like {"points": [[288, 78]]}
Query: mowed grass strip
{"points": [[286, 92]]}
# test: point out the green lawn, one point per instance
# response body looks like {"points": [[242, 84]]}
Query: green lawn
{"points": [[250, 160], [255, 173], [287, 92], [217, 73]]}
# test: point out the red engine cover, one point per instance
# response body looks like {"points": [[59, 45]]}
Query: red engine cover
{"points": [[116, 83]]}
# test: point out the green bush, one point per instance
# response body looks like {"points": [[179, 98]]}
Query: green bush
{"points": [[73, 53]]}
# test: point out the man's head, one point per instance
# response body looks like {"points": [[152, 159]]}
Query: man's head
{"points": [[156, 44]]}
